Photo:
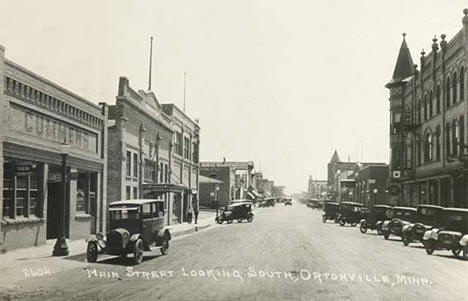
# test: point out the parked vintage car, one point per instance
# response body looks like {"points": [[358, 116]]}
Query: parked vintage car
{"points": [[135, 227], [400, 216], [330, 210], [314, 203], [375, 218], [427, 217], [288, 202], [268, 202], [452, 234], [350, 213], [237, 211]]}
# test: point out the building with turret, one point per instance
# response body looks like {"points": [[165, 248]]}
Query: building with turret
{"points": [[428, 118]]}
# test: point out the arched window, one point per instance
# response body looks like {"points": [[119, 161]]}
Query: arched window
{"points": [[447, 92], [438, 100], [454, 88], [431, 104], [428, 147], [462, 83], [425, 107]]}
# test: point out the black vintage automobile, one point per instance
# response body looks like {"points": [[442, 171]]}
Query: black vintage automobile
{"points": [[374, 219], [237, 211], [135, 227], [314, 203], [287, 202], [350, 213], [427, 217], [400, 216], [330, 211], [452, 234]]}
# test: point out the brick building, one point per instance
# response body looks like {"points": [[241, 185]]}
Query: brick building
{"points": [[428, 108], [146, 155], [44, 130], [316, 188], [225, 174], [371, 183]]}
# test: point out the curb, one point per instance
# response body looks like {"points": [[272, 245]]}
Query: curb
{"points": [[194, 229]]}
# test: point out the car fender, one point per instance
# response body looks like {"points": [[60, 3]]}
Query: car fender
{"points": [[91, 238], [135, 237], [164, 233], [386, 225], [464, 240], [431, 234], [407, 228], [378, 223], [362, 220]]}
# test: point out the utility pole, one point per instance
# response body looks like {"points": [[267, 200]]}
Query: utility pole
{"points": [[150, 63]]}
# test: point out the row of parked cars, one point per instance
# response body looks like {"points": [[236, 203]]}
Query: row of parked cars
{"points": [[437, 228]]}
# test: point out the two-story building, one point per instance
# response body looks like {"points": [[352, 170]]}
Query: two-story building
{"points": [[428, 118]]}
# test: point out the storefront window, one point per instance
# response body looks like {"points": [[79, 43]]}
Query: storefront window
{"points": [[21, 185]]}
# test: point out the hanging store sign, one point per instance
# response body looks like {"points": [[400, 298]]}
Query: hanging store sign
{"points": [[44, 127], [23, 170]]}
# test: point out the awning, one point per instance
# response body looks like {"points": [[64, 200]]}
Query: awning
{"points": [[163, 188]]}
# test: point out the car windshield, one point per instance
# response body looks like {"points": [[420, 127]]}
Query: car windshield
{"points": [[427, 216], [456, 221], [403, 214], [124, 212]]}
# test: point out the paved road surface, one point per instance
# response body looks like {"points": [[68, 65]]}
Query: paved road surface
{"points": [[287, 253]]}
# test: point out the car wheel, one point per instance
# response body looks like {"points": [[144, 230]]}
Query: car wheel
{"points": [[138, 252], [386, 235], [342, 222], [239, 220], [250, 218], [429, 247], [219, 221], [465, 252], [406, 239], [363, 227], [456, 252], [353, 224], [324, 219], [165, 246], [92, 251]]}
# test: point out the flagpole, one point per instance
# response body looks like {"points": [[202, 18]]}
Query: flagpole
{"points": [[150, 63]]}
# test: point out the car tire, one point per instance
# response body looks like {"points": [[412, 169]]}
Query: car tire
{"points": [[406, 240], [353, 224], [250, 218], [92, 252], [138, 250], [429, 247], [465, 252], [386, 235], [342, 222], [363, 227], [165, 246], [239, 220], [324, 219], [456, 252]]}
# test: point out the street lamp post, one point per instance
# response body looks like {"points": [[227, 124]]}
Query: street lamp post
{"points": [[61, 247]]}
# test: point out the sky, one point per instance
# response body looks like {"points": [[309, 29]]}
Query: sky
{"points": [[281, 83]]}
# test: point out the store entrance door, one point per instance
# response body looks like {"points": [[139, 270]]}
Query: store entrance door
{"points": [[54, 196]]}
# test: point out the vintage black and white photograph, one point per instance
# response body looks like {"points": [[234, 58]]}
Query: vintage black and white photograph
{"points": [[218, 150]]}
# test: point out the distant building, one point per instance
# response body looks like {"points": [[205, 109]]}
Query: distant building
{"points": [[277, 191], [371, 183], [224, 176], [209, 192], [316, 188]]}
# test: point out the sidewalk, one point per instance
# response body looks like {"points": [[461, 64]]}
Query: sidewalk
{"points": [[31, 262]]}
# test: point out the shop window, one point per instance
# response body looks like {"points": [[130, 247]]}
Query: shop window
{"points": [[135, 192], [21, 184], [129, 164], [128, 192], [149, 171]]}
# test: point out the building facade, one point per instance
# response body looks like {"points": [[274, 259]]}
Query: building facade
{"points": [[317, 188], [225, 175], [428, 118], [144, 158], [46, 130], [371, 184]]}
